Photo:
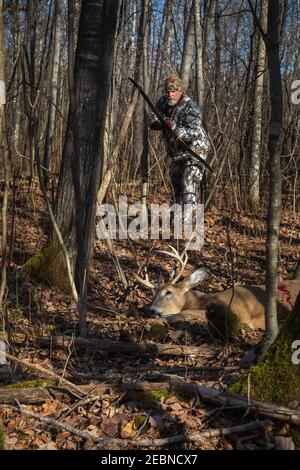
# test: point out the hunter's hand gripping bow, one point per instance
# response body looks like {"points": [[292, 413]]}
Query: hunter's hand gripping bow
{"points": [[166, 127]]}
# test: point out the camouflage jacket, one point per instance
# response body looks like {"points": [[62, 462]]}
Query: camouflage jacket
{"points": [[187, 118]]}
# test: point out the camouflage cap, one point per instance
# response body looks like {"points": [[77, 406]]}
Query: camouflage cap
{"points": [[173, 83]]}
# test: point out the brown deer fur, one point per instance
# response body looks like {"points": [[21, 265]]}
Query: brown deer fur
{"points": [[245, 305]]}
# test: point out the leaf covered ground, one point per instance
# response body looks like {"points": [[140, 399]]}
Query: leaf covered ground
{"points": [[234, 246]]}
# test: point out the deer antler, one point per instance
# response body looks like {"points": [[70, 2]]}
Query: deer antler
{"points": [[145, 282], [182, 258]]}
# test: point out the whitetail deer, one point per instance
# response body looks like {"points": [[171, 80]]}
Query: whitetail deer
{"points": [[234, 307]]}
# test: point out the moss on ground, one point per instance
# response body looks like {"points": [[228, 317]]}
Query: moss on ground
{"points": [[33, 383], [48, 265], [150, 397], [276, 378]]}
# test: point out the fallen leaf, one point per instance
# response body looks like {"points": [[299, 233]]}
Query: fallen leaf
{"points": [[111, 426], [51, 407], [129, 431], [175, 407]]}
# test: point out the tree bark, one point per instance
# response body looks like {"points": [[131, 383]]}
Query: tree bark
{"points": [[54, 91], [140, 75], [199, 53], [188, 50], [30, 50], [217, 77], [274, 208], [275, 129], [82, 157], [163, 57], [254, 194], [145, 151], [5, 163]]}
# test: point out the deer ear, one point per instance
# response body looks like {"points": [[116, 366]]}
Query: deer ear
{"points": [[195, 278]]}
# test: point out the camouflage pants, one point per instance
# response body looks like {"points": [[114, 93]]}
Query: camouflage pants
{"points": [[186, 176]]}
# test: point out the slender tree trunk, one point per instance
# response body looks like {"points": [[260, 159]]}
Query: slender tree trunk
{"points": [[164, 54], [16, 104], [188, 50], [145, 152], [254, 197], [54, 91], [185, 16], [275, 128], [5, 166], [31, 30], [199, 52], [139, 118], [82, 156], [217, 77], [208, 13], [30, 52]]}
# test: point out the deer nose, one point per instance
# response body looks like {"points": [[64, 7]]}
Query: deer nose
{"points": [[153, 313]]}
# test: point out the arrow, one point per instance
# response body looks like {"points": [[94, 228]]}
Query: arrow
{"points": [[165, 126]]}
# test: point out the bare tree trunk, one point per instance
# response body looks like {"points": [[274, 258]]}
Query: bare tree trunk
{"points": [[188, 50], [145, 152], [5, 163], [82, 156], [16, 104], [254, 195], [163, 58], [208, 13], [199, 52], [31, 26], [54, 90], [185, 16], [274, 209], [217, 78], [139, 118]]}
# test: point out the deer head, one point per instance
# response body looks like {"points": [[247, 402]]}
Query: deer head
{"points": [[171, 298]]}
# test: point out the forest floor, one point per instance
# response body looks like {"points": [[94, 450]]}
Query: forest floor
{"points": [[140, 415]]}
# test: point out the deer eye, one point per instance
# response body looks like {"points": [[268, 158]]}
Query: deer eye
{"points": [[168, 293]]}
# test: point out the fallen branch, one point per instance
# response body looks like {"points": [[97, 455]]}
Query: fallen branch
{"points": [[28, 396], [208, 433], [207, 395], [224, 399], [39, 395], [46, 372], [122, 347]]}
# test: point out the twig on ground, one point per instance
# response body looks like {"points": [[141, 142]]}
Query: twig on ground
{"points": [[69, 385]]}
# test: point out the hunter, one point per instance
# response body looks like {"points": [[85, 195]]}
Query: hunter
{"points": [[183, 116]]}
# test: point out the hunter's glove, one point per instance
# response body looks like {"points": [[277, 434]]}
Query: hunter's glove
{"points": [[171, 124], [179, 132], [155, 125]]}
